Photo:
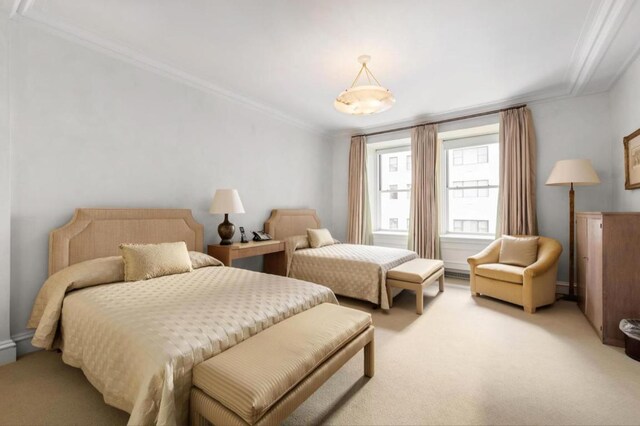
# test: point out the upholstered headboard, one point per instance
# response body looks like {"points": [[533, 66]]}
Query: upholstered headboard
{"points": [[94, 233], [285, 223]]}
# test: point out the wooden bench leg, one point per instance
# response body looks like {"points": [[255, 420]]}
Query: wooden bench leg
{"points": [[419, 300], [441, 282], [370, 358]]}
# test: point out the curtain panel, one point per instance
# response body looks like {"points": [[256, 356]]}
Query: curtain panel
{"points": [[359, 219], [517, 202], [425, 173]]}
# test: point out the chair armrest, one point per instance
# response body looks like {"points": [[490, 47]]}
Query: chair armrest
{"points": [[548, 256], [491, 254]]}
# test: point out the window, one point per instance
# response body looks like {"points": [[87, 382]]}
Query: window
{"points": [[470, 226], [393, 164], [472, 188], [408, 163], [470, 185], [393, 195], [466, 156], [393, 184]]}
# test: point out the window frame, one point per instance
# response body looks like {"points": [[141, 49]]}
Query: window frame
{"points": [[447, 147], [377, 175]]}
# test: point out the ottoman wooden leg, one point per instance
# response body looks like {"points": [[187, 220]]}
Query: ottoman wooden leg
{"points": [[370, 359], [419, 300], [441, 282]]}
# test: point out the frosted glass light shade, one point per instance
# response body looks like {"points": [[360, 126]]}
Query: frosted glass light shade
{"points": [[364, 100], [226, 201], [576, 172]]}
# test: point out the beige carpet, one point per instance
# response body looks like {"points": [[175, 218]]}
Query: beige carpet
{"points": [[465, 361]]}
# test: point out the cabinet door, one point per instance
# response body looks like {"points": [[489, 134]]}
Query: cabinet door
{"points": [[581, 260], [593, 302]]}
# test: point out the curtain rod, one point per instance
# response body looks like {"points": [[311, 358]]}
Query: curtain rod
{"points": [[448, 120]]}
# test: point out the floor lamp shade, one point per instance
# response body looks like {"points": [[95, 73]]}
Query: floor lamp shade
{"points": [[570, 173], [226, 201], [576, 172]]}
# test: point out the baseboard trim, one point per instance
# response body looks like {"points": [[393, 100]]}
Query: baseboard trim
{"points": [[23, 342], [562, 287], [7, 351]]}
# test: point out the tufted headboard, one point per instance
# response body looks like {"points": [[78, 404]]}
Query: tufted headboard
{"points": [[285, 223], [94, 233]]}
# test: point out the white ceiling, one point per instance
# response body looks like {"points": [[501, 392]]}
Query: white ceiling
{"points": [[292, 57]]}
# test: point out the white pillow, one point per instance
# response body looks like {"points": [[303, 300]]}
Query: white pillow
{"points": [[319, 237]]}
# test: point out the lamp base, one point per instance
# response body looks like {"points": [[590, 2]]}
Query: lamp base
{"points": [[226, 230]]}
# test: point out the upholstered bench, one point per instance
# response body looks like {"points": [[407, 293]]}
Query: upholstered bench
{"points": [[266, 377], [415, 275]]}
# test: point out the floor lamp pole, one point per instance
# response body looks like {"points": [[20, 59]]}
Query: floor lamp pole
{"points": [[572, 231]]}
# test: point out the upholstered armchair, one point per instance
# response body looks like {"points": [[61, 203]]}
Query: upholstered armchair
{"points": [[530, 287]]}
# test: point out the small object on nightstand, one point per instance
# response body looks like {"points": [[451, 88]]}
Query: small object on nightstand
{"points": [[243, 236], [261, 236]]}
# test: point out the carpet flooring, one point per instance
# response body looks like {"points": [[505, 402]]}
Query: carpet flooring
{"points": [[466, 360]]}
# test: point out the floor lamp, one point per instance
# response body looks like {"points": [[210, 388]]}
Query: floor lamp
{"points": [[572, 173]]}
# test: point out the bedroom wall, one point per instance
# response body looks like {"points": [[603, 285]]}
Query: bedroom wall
{"points": [[7, 346], [625, 116], [570, 128], [91, 130], [578, 127]]}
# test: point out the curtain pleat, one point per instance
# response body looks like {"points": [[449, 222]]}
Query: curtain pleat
{"points": [[517, 205], [359, 221], [423, 217]]}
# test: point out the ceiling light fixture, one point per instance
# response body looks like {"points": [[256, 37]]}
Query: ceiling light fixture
{"points": [[364, 99]]}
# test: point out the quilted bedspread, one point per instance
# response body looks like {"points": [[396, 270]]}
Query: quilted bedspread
{"points": [[138, 342], [351, 270]]}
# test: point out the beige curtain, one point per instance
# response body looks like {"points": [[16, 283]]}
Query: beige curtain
{"points": [[423, 222], [517, 205], [359, 225]]}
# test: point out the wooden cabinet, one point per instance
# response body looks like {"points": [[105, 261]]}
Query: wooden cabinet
{"points": [[608, 279]]}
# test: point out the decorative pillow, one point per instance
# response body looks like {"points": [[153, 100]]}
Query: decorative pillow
{"points": [[144, 261], [319, 237], [200, 260], [519, 251]]}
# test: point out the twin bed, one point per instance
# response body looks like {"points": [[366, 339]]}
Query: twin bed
{"points": [[356, 271], [138, 342]]}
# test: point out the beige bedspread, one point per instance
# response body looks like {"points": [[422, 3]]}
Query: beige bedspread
{"points": [[351, 270], [137, 342]]}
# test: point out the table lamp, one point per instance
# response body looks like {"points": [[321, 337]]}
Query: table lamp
{"points": [[226, 201], [570, 173]]}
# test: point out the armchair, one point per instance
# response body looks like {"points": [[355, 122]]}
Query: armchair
{"points": [[530, 287]]}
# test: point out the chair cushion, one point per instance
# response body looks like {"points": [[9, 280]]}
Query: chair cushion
{"points": [[255, 374], [501, 272], [519, 251], [416, 270]]}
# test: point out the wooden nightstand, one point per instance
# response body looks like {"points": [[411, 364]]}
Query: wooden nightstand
{"points": [[273, 252]]}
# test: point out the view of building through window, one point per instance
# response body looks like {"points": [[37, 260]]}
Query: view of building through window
{"points": [[471, 187], [394, 189]]}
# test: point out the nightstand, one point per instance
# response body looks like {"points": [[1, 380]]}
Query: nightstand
{"points": [[273, 252]]}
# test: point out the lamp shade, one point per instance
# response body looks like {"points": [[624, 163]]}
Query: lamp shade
{"points": [[576, 172], [226, 201]]}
